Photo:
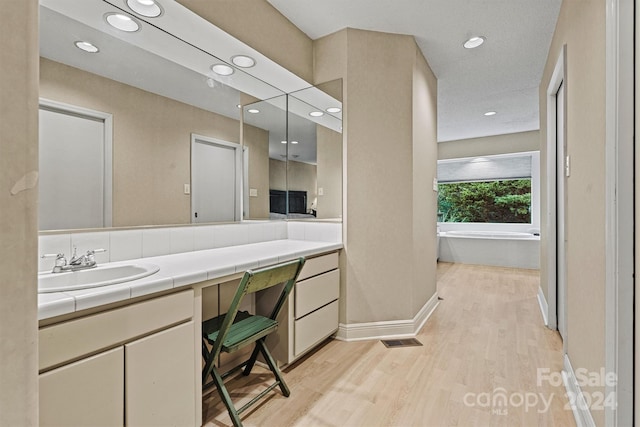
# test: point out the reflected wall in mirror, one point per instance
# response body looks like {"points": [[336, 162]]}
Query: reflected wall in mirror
{"points": [[158, 90], [305, 153], [264, 127]]}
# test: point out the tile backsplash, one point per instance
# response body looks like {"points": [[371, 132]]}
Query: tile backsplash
{"points": [[123, 245]]}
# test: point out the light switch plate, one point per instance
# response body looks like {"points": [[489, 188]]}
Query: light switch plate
{"points": [[187, 189], [567, 166], [435, 184], [253, 192], [320, 191]]}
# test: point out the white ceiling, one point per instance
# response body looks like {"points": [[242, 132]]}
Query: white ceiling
{"points": [[502, 75]]}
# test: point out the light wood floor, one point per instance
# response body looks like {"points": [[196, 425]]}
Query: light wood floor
{"points": [[485, 340]]}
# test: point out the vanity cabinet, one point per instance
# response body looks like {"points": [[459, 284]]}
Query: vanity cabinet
{"points": [[311, 312], [132, 365]]}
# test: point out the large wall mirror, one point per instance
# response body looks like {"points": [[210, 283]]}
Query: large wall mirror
{"points": [[295, 154], [144, 98], [143, 124]]}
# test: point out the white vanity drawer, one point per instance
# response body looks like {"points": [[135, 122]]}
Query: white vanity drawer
{"points": [[316, 292], [318, 265], [314, 327]]}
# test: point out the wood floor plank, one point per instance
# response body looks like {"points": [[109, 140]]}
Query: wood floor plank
{"points": [[485, 341]]}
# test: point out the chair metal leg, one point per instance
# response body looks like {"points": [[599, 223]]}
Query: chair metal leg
{"points": [[226, 398], [272, 365]]}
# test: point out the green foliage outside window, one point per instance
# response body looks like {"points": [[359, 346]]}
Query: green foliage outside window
{"points": [[506, 201]]}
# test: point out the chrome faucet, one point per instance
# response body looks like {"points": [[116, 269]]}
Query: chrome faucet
{"points": [[81, 262]]}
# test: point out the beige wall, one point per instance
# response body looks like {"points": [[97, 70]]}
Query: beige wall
{"points": [[489, 145], [151, 143], [303, 177], [329, 152], [330, 63], [257, 141], [383, 83], [425, 200], [261, 26], [277, 175], [581, 26], [18, 213]]}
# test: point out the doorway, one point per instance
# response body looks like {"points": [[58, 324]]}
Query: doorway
{"points": [[557, 171], [215, 180], [75, 167], [562, 171]]}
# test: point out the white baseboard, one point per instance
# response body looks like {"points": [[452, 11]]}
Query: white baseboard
{"points": [[580, 408], [544, 308], [390, 329]]}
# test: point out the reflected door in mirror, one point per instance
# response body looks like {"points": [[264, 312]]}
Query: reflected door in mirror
{"points": [[74, 170], [215, 168]]}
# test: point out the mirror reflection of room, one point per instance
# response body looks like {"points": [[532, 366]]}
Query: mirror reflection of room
{"points": [[305, 153], [121, 134]]}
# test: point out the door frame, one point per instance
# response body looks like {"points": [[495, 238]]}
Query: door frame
{"points": [[619, 209], [195, 138], [107, 119], [558, 78], [245, 183]]}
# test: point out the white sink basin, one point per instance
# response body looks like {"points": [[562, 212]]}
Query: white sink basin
{"points": [[93, 278]]}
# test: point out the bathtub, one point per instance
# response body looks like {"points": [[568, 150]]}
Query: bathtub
{"points": [[486, 247]]}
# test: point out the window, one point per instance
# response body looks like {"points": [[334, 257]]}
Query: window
{"points": [[493, 189], [503, 201]]}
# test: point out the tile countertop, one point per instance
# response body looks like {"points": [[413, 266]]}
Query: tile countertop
{"points": [[179, 270]]}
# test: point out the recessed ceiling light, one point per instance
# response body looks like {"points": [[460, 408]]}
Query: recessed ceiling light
{"points": [[294, 142], [87, 47], [149, 8], [239, 106], [316, 114], [333, 110], [222, 69], [253, 110], [122, 22], [283, 142], [490, 113], [474, 42], [243, 61]]}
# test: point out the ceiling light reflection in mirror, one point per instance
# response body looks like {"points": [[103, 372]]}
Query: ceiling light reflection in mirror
{"points": [[303, 107], [150, 59], [122, 22], [148, 8]]}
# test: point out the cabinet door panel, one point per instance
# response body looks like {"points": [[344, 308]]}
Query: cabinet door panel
{"points": [[89, 392], [160, 379]]}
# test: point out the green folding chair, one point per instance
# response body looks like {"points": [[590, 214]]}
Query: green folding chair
{"points": [[234, 330]]}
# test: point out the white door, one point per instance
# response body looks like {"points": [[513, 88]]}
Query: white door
{"points": [[74, 170], [215, 180], [561, 215]]}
